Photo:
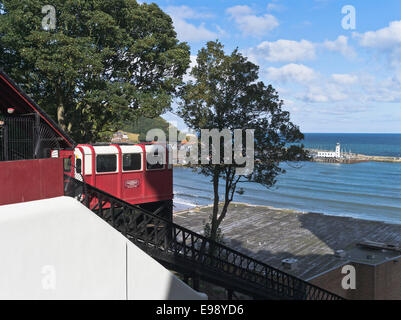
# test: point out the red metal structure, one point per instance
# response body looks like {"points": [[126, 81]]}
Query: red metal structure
{"points": [[29, 180]]}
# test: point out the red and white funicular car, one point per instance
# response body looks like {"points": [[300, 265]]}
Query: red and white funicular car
{"points": [[125, 171]]}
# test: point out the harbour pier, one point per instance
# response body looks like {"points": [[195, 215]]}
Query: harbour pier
{"points": [[339, 156]]}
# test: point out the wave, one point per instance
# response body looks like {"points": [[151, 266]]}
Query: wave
{"points": [[184, 186], [361, 190], [345, 193], [304, 198], [185, 203], [366, 180], [341, 202], [195, 196], [342, 184]]}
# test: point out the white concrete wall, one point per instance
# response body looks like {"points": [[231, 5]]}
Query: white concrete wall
{"points": [[58, 249]]}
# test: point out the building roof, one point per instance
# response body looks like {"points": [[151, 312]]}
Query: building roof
{"points": [[272, 235], [361, 253], [11, 95]]}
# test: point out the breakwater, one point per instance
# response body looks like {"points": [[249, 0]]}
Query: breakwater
{"points": [[351, 158]]}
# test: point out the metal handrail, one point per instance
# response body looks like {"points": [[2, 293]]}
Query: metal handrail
{"points": [[152, 232]]}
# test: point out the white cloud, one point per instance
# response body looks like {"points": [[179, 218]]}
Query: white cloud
{"points": [[314, 94], [363, 90], [185, 12], [187, 31], [340, 45], [297, 51], [381, 90], [192, 64], [327, 93], [345, 79], [239, 10], [273, 6], [190, 32], [292, 73], [385, 38], [251, 24], [285, 51]]}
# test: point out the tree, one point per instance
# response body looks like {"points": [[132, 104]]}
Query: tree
{"points": [[225, 94], [105, 61]]}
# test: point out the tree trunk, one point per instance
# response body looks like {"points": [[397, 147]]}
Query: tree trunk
{"points": [[214, 225], [60, 116], [60, 107]]}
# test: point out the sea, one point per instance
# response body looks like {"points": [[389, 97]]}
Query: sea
{"points": [[368, 190]]}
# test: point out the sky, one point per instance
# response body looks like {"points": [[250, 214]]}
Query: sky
{"points": [[336, 64]]}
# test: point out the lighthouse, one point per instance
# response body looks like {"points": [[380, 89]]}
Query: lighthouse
{"points": [[330, 154], [338, 150]]}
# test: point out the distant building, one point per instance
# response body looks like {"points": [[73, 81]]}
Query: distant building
{"points": [[119, 137], [124, 137], [330, 154]]}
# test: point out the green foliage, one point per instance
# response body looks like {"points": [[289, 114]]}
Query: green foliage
{"points": [[226, 94], [107, 61], [142, 125]]}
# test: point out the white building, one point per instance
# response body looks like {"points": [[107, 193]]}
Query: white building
{"points": [[330, 154]]}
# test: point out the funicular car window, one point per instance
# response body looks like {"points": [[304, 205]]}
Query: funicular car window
{"points": [[132, 161], [155, 166], [78, 166], [106, 163], [67, 164]]}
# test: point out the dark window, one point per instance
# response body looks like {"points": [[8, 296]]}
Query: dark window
{"points": [[78, 166], [106, 163], [67, 164], [132, 161], [156, 166]]}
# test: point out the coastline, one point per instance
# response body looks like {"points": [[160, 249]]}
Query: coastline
{"points": [[366, 191], [202, 208], [234, 203]]}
